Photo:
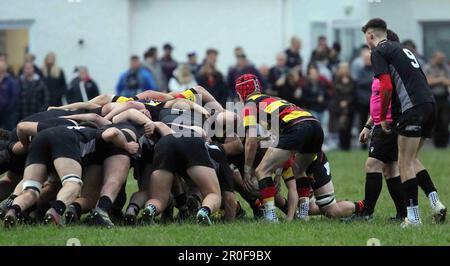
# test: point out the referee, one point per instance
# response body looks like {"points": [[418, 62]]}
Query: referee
{"points": [[415, 101]]}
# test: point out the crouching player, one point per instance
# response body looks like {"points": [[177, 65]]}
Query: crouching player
{"points": [[299, 133], [62, 148]]}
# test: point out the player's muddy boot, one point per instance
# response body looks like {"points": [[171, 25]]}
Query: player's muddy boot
{"points": [[203, 217], [10, 219], [148, 214], [101, 218], [408, 223], [71, 216], [52, 217], [439, 212]]}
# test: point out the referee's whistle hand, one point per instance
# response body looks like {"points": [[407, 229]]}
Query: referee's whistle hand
{"points": [[364, 135]]}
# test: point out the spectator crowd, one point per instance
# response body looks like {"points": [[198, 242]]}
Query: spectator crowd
{"points": [[336, 92]]}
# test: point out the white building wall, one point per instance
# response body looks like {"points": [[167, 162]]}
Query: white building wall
{"points": [[57, 25], [331, 12], [112, 30], [255, 25], [404, 16]]}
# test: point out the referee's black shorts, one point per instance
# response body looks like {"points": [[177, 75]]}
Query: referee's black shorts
{"points": [[53, 143], [383, 146], [417, 122]]}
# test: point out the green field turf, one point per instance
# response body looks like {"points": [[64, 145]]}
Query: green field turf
{"points": [[348, 177]]}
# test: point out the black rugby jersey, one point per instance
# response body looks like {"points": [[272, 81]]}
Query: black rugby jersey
{"points": [[411, 84]]}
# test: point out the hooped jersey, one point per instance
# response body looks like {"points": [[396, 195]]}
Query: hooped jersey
{"points": [[259, 109]]}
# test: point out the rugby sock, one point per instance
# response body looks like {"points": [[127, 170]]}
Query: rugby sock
{"points": [[410, 187], [267, 190], [303, 187], [303, 191], [59, 207], [104, 203], [426, 184], [394, 185], [359, 207], [374, 183], [77, 208], [434, 198]]}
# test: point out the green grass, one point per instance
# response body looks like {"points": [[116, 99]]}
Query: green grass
{"points": [[348, 179]]}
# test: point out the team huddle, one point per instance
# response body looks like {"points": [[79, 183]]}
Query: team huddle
{"points": [[189, 153]]}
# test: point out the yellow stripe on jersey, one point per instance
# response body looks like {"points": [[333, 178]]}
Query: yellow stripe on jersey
{"points": [[315, 157], [123, 99], [250, 120], [254, 97], [189, 95], [287, 173], [295, 114], [274, 105]]}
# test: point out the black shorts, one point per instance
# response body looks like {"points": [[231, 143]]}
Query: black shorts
{"points": [[46, 115], [176, 154], [55, 122], [223, 170], [53, 143], [383, 146], [320, 170], [417, 122], [303, 137]]}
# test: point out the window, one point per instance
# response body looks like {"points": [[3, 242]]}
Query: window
{"points": [[436, 36]]}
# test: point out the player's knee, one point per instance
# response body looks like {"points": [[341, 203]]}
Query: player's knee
{"points": [[110, 134], [390, 170], [374, 166]]}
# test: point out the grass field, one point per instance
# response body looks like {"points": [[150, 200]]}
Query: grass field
{"points": [[348, 177]]}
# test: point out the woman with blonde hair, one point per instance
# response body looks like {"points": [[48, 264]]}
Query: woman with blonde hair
{"points": [[182, 79], [54, 79]]}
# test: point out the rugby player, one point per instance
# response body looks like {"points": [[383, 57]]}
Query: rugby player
{"points": [[62, 147], [394, 64], [300, 134]]}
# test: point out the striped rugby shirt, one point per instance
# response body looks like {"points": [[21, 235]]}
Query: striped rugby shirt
{"points": [[259, 109]]}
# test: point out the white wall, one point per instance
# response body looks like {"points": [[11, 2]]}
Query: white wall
{"points": [[115, 29], [305, 12], [404, 16], [58, 24], [255, 25]]}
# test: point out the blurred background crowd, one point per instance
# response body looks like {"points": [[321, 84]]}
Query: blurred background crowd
{"points": [[337, 92]]}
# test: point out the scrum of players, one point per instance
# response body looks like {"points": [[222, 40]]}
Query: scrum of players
{"points": [[186, 153]]}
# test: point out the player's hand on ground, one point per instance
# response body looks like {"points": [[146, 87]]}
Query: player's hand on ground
{"points": [[364, 135], [132, 147], [386, 127]]}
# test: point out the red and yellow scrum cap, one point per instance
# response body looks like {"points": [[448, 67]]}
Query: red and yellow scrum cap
{"points": [[246, 85]]}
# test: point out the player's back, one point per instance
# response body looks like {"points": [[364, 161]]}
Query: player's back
{"points": [[411, 83]]}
